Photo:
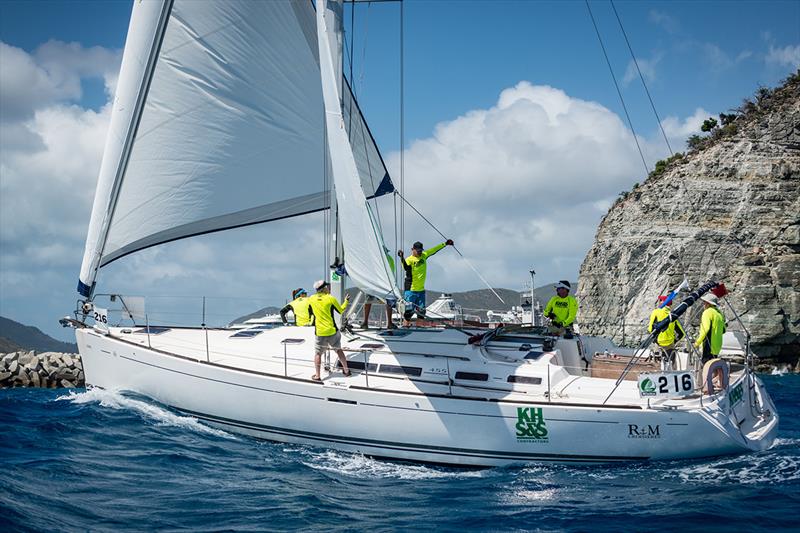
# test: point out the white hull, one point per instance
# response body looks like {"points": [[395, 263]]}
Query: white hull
{"points": [[409, 420]]}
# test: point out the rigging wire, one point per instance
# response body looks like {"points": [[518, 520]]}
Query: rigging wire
{"points": [[402, 122], [454, 248], [674, 238], [619, 92], [641, 77]]}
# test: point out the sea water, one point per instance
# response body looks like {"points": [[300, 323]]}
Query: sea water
{"points": [[96, 460]]}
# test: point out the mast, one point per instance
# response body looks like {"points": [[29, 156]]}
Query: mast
{"points": [[334, 18]]}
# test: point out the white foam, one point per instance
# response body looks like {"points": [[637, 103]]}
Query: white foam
{"points": [[359, 466], [116, 400], [779, 371], [768, 467]]}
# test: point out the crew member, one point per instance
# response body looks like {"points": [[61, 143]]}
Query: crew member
{"points": [[298, 306], [562, 310], [712, 326], [668, 338], [321, 307], [416, 272]]}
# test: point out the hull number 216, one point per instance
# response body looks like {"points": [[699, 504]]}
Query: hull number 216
{"points": [[665, 384]]}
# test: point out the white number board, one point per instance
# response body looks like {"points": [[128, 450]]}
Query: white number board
{"points": [[100, 316], [666, 384]]}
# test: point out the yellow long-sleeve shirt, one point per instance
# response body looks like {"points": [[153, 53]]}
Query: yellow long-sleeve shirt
{"points": [[666, 337], [419, 267], [321, 307], [565, 309], [712, 325]]}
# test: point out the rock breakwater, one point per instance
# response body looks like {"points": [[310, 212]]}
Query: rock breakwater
{"points": [[50, 370]]}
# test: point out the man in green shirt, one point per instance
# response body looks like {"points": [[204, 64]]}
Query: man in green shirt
{"points": [[416, 268], [712, 326], [562, 310], [321, 307]]}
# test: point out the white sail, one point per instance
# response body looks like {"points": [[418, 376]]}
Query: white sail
{"points": [[218, 122], [365, 254]]}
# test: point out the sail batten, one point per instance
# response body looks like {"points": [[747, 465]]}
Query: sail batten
{"points": [[231, 132]]}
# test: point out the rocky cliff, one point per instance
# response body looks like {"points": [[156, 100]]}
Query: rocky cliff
{"points": [[727, 210]]}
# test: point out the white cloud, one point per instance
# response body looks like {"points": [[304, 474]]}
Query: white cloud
{"points": [[668, 22], [677, 129], [787, 56], [51, 151], [518, 184], [52, 74], [646, 66]]}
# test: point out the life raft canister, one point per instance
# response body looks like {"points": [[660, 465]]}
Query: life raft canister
{"points": [[713, 368]]}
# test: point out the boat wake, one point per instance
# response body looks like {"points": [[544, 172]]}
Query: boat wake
{"points": [[150, 411], [362, 467], [772, 466]]}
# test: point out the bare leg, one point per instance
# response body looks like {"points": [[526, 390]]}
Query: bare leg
{"points": [[317, 364], [367, 309], [389, 324], [343, 361]]}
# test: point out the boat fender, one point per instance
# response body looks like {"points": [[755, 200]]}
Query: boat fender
{"points": [[719, 370]]}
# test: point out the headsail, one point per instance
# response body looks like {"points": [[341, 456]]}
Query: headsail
{"points": [[217, 123], [365, 254]]}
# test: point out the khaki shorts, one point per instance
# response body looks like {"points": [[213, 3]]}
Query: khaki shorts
{"points": [[372, 300], [331, 341]]}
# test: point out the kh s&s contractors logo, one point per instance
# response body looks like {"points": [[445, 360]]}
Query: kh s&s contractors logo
{"points": [[531, 426]]}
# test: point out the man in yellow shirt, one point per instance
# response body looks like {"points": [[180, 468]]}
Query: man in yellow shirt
{"points": [[416, 268], [562, 310], [321, 307], [712, 326], [667, 339], [298, 306]]}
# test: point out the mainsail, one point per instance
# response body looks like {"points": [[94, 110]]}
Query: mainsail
{"points": [[218, 122], [365, 254]]}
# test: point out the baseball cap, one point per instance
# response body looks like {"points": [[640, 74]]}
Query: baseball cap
{"points": [[563, 284], [417, 246], [320, 284]]}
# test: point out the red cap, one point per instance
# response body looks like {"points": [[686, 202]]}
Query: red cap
{"points": [[662, 298]]}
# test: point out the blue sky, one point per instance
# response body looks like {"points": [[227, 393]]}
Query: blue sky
{"points": [[466, 66]]}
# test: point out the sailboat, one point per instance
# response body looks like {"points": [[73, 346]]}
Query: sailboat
{"points": [[226, 114]]}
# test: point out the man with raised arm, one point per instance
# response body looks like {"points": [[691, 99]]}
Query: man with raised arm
{"points": [[321, 307], [416, 268]]}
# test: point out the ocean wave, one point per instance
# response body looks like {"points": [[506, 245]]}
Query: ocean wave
{"points": [[160, 415], [359, 466], [768, 467]]}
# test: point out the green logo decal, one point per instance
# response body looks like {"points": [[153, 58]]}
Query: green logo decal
{"points": [[736, 394], [647, 386], [531, 426]]}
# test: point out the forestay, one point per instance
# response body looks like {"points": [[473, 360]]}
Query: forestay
{"points": [[365, 253], [217, 123]]}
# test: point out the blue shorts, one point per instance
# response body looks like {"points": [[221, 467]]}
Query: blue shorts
{"points": [[416, 298]]}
